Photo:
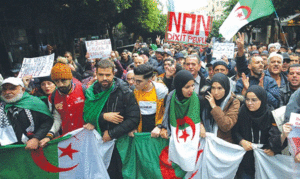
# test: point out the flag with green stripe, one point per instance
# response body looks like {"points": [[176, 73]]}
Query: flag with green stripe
{"points": [[245, 11], [78, 154]]}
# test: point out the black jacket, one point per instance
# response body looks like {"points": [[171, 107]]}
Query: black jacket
{"points": [[42, 123], [120, 100], [269, 136]]}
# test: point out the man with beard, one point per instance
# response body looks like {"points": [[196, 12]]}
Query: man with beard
{"points": [[257, 77], [252, 74], [111, 107], [24, 118], [126, 60], [68, 100], [275, 63], [292, 85]]}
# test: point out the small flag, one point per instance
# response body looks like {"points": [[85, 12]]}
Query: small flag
{"points": [[245, 11]]}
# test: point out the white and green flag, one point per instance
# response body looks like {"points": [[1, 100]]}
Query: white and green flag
{"points": [[78, 154], [245, 11]]}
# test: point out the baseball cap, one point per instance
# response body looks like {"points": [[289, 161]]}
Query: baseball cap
{"points": [[178, 55], [144, 51], [160, 50], [169, 53], [14, 81]]}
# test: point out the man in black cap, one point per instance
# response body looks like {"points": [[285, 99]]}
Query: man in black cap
{"points": [[286, 63], [151, 61], [16, 69], [179, 58]]}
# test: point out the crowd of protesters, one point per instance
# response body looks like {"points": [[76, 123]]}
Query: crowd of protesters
{"points": [[138, 91]]}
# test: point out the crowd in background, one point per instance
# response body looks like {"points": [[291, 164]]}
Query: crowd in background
{"points": [[145, 89]]}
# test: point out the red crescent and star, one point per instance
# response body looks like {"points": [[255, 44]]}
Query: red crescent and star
{"points": [[181, 122], [40, 160], [240, 14]]}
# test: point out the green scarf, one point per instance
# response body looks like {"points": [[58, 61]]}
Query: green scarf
{"points": [[30, 102], [188, 107], [94, 104]]}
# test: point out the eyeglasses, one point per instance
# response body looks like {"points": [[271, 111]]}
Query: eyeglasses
{"points": [[254, 100]]}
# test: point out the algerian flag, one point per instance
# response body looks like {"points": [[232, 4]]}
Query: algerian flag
{"points": [[245, 11], [78, 154], [185, 131], [146, 157], [219, 159]]}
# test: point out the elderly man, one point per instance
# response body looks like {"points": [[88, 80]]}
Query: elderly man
{"points": [[252, 74], [24, 118], [257, 77], [275, 62]]}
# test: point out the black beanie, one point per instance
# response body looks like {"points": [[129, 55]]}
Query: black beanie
{"points": [[180, 80], [220, 62]]}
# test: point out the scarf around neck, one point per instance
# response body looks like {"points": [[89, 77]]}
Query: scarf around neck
{"points": [[188, 107], [30, 102], [94, 104]]}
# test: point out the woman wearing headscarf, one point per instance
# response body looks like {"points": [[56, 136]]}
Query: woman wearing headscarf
{"points": [[255, 125], [182, 122], [221, 114]]}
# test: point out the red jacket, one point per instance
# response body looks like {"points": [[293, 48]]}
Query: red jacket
{"points": [[70, 108]]}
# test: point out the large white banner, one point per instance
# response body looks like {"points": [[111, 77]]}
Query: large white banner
{"points": [[37, 67], [221, 49], [99, 48], [278, 166], [188, 28], [220, 159]]}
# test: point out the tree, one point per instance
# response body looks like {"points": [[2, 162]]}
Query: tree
{"points": [[144, 19]]}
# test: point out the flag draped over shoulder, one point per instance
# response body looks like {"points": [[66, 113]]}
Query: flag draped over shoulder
{"points": [[78, 154], [94, 104], [185, 131], [245, 11]]}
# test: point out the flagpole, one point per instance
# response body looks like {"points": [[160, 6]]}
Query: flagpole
{"points": [[280, 25]]}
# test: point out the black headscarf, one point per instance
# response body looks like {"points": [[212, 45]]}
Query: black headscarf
{"points": [[180, 80], [260, 116], [224, 82]]}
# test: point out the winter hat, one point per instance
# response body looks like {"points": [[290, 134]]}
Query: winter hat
{"points": [[61, 70], [219, 62]]}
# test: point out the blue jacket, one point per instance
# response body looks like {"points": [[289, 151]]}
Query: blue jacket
{"points": [[270, 85]]}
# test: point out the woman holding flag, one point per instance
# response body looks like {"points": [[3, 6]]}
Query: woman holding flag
{"points": [[255, 125], [182, 122]]}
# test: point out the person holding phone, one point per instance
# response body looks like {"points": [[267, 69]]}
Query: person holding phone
{"points": [[221, 113]]}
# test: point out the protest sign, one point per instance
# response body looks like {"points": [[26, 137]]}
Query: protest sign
{"points": [[99, 48], [294, 136], [188, 28], [37, 67], [221, 49]]}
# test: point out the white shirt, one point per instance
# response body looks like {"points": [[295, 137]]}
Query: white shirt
{"points": [[197, 84]]}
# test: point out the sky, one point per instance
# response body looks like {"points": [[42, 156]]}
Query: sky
{"points": [[184, 5]]}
